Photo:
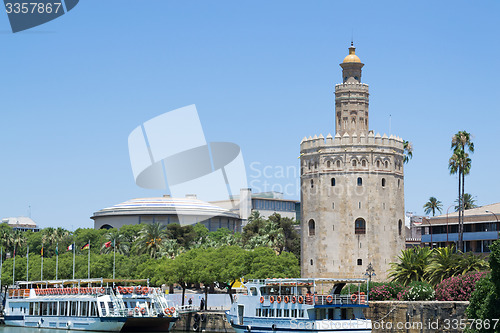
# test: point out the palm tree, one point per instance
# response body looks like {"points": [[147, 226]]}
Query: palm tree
{"points": [[408, 151], [411, 265], [443, 264], [461, 163], [17, 239], [120, 241], [468, 202], [432, 205], [151, 238], [471, 263]]}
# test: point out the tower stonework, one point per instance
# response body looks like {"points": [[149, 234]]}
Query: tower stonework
{"points": [[352, 190]]}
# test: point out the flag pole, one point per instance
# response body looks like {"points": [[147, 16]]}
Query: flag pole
{"points": [[114, 259], [41, 269], [27, 262], [74, 259], [57, 257], [88, 276]]}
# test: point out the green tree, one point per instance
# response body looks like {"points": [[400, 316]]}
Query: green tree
{"points": [[443, 263], [460, 163], [150, 240], [468, 202], [411, 265], [485, 300], [119, 242], [433, 205], [408, 151]]}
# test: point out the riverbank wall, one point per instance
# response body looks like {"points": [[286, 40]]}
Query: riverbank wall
{"points": [[386, 316]]}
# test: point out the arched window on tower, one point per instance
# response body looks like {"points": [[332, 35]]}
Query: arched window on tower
{"points": [[360, 226], [400, 227], [383, 182], [312, 183], [333, 181], [378, 164], [312, 227], [328, 164], [360, 181], [363, 163], [386, 164], [354, 163], [338, 163]]}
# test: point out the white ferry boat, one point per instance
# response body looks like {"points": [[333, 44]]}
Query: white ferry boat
{"points": [[87, 305], [147, 309], [305, 305]]}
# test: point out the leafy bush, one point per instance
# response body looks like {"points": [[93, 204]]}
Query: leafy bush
{"points": [[458, 288], [417, 291], [386, 291]]}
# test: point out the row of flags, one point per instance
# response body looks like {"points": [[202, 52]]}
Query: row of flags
{"points": [[85, 247]]}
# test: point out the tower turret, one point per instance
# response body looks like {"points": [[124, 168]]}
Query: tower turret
{"points": [[351, 98]]}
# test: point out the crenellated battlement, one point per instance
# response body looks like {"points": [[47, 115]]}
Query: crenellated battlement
{"points": [[392, 141]]}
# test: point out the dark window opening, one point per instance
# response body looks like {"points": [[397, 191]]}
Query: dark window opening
{"points": [[312, 228], [400, 227], [383, 182], [333, 181], [360, 181], [360, 226], [360, 262]]}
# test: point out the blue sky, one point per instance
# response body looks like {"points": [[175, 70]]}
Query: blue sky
{"points": [[262, 75]]}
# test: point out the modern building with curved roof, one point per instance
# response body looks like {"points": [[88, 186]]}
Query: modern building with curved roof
{"points": [[166, 210]]}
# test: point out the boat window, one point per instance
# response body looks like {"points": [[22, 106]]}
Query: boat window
{"points": [[301, 313], [271, 312], [278, 312], [253, 291], [84, 309], [265, 312], [93, 311], [112, 309], [103, 309], [32, 306], [44, 309], [286, 313], [52, 308], [294, 313], [257, 312], [63, 308], [37, 309], [74, 308]]}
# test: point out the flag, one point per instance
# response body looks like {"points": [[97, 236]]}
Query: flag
{"points": [[107, 244], [42, 251], [86, 247], [70, 247]]}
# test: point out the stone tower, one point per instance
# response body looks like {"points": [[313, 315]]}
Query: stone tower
{"points": [[352, 190]]}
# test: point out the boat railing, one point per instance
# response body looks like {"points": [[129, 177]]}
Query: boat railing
{"points": [[19, 293], [353, 299]]}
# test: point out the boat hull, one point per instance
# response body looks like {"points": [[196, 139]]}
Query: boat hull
{"points": [[149, 324], [108, 324]]}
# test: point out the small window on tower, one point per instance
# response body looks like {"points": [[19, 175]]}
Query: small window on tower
{"points": [[312, 228], [312, 183], [338, 164], [386, 164], [353, 163], [363, 163], [360, 181], [333, 181], [356, 78], [328, 164], [378, 164], [311, 262], [383, 182], [400, 227], [360, 262]]}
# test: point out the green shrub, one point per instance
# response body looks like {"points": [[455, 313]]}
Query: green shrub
{"points": [[417, 291]]}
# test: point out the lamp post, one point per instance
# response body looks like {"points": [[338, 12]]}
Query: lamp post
{"points": [[369, 272], [498, 224]]}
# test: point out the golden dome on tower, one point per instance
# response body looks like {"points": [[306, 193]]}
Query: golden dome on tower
{"points": [[352, 57]]}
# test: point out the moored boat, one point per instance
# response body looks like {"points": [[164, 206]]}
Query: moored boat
{"points": [[87, 305], [293, 305]]}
